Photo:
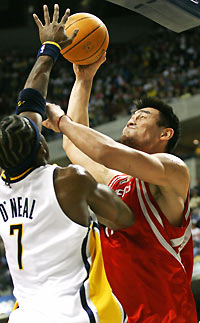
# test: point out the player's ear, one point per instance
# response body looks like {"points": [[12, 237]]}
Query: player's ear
{"points": [[167, 134]]}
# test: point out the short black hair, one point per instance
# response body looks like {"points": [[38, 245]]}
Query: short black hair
{"points": [[168, 118]]}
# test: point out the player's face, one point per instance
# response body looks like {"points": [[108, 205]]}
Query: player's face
{"points": [[142, 131]]}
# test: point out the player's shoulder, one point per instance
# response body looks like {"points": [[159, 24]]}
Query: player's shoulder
{"points": [[175, 168], [74, 170], [171, 159], [73, 173]]}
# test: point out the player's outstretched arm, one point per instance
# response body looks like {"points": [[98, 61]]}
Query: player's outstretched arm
{"points": [[80, 94], [101, 173], [52, 37], [78, 111], [109, 208], [51, 33], [76, 189], [157, 169]]}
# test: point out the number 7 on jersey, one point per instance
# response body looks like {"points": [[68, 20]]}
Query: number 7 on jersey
{"points": [[18, 227]]}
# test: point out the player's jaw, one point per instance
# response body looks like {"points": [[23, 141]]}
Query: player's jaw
{"points": [[140, 137]]}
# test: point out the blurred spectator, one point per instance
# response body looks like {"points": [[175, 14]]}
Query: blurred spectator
{"points": [[195, 204], [196, 249], [196, 237], [197, 186]]}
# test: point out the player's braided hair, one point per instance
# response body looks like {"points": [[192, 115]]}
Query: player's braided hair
{"points": [[17, 138]]}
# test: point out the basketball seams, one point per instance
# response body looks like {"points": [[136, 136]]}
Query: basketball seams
{"points": [[77, 61], [75, 21], [67, 50], [92, 40]]}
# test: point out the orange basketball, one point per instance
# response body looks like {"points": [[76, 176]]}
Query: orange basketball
{"points": [[91, 41]]}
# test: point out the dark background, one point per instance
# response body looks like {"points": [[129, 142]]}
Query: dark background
{"points": [[17, 13]]}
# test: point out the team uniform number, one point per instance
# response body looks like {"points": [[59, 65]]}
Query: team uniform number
{"points": [[18, 229]]}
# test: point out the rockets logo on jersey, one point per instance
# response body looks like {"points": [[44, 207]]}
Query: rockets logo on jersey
{"points": [[122, 191]]}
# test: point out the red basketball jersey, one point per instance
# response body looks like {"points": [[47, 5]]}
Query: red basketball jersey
{"points": [[149, 265]]}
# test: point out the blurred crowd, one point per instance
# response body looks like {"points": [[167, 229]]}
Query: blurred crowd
{"points": [[165, 65]]}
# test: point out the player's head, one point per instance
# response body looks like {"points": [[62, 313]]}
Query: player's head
{"points": [[153, 127], [21, 145]]}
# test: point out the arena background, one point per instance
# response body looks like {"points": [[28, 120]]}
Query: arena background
{"points": [[128, 32]]}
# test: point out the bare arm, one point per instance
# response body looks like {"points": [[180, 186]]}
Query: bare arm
{"points": [[38, 78], [78, 111], [76, 189], [109, 208], [164, 170]]}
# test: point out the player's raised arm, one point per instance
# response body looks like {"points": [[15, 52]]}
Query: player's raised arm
{"points": [[31, 101], [80, 94], [78, 111]]}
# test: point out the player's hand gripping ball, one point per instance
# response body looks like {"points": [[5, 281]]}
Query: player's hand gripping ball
{"points": [[91, 41]]}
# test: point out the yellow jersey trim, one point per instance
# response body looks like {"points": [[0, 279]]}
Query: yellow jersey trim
{"points": [[16, 177], [16, 305]]}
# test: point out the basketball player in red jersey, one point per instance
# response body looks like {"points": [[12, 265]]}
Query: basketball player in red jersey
{"points": [[148, 265]]}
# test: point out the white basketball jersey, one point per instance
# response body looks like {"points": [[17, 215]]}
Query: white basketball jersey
{"points": [[56, 264]]}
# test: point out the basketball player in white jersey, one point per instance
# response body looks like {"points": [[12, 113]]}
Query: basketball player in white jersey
{"points": [[50, 234]]}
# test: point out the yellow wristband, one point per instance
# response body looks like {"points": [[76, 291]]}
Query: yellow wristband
{"points": [[53, 43]]}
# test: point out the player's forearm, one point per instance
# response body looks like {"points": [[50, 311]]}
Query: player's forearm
{"points": [[78, 111], [79, 101], [38, 78], [113, 155], [89, 141], [110, 209]]}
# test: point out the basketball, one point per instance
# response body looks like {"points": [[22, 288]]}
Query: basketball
{"points": [[91, 41]]}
